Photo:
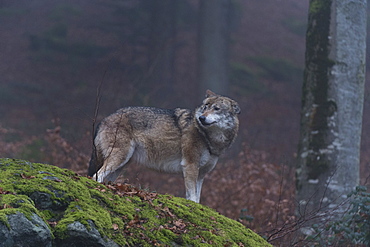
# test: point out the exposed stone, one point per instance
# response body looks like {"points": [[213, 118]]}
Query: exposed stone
{"points": [[24, 232], [80, 236]]}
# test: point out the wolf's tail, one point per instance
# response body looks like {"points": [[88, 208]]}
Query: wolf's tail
{"points": [[97, 160]]}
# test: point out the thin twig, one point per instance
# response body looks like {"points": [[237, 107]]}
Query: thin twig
{"points": [[94, 120]]}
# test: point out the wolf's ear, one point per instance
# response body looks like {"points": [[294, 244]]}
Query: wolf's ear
{"points": [[209, 93], [236, 108]]}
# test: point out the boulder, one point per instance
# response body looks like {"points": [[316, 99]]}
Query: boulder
{"points": [[43, 205]]}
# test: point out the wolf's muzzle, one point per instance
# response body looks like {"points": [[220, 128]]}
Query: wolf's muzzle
{"points": [[203, 120]]}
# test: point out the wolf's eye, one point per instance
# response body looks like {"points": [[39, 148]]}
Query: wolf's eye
{"points": [[216, 108]]}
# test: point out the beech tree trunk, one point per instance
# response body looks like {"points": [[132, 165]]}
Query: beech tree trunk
{"points": [[332, 103], [162, 40], [213, 45]]}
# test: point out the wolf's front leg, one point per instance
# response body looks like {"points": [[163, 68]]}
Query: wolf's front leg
{"points": [[199, 187], [190, 172]]}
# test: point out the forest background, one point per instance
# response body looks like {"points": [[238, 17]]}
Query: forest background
{"points": [[56, 54]]}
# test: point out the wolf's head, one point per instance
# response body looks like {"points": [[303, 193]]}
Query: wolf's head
{"points": [[217, 111]]}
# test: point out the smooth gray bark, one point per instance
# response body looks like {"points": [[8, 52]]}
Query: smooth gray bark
{"points": [[332, 103]]}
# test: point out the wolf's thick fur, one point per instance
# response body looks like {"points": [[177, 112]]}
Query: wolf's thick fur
{"points": [[173, 141]]}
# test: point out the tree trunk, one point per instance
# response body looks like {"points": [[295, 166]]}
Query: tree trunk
{"points": [[213, 45], [162, 44], [332, 102]]}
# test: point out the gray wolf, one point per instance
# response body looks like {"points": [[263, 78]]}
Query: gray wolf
{"points": [[173, 141]]}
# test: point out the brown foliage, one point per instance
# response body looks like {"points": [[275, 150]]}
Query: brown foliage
{"points": [[12, 148], [54, 149], [62, 153]]}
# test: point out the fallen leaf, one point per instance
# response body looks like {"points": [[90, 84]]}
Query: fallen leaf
{"points": [[115, 226], [6, 206], [26, 177], [52, 223], [2, 191]]}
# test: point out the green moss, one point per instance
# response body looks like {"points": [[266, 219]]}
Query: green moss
{"points": [[4, 220], [205, 219], [140, 219], [11, 204], [317, 6]]}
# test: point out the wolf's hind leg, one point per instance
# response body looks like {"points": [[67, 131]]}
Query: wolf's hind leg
{"points": [[115, 160]]}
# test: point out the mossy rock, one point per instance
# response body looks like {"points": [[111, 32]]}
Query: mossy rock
{"points": [[71, 210]]}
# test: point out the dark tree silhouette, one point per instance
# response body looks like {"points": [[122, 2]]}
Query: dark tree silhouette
{"points": [[213, 50]]}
